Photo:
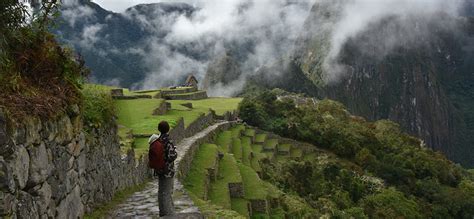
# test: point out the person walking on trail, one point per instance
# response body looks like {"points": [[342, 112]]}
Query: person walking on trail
{"points": [[161, 156]]}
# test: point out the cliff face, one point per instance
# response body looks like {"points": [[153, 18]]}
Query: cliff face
{"points": [[54, 169], [424, 82]]}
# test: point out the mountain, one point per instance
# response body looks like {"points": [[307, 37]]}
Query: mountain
{"points": [[425, 82], [422, 80], [109, 42]]}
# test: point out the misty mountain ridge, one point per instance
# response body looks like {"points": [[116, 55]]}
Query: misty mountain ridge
{"points": [[413, 68]]}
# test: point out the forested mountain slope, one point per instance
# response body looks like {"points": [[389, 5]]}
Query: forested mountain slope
{"points": [[423, 79]]}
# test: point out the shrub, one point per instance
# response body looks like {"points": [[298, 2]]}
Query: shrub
{"points": [[98, 106], [37, 76]]}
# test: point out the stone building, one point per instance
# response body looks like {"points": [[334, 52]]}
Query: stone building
{"points": [[191, 81]]}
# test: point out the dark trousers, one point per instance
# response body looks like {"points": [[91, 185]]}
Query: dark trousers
{"points": [[165, 192]]}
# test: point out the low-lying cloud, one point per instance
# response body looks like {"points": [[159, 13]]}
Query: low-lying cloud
{"points": [[357, 16]]}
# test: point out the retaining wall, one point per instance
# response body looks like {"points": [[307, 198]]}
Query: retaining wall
{"points": [[54, 169]]}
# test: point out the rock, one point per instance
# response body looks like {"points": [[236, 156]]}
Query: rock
{"points": [[72, 178], [71, 206], [7, 183], [75, 148], [58, 189], [116, 92], [42, 197], [3, 129], [33, 129], [39, 165], [20, 166], [73, 110], [65, 131], [49, 131], [187, 105], [7, 204], [19, 134], [26, 207], [81, 164]]}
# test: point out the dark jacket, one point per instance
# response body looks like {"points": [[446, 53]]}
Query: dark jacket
{"points": [[170, 153]]}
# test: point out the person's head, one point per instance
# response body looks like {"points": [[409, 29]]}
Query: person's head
{"points": [[163, 127]]}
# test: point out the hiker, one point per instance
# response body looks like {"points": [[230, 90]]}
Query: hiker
{"points": [[162, 154]]}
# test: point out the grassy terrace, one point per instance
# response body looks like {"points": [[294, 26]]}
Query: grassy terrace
{"points": [[240, 163], [260, 138], [228, 173], [204, 158]]}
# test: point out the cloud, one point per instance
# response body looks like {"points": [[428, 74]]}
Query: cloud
{"points": [[261, 32], [73, 11], [89, 36], [357, 16]]}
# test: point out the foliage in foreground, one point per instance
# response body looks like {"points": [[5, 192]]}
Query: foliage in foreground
{"points": [[37, 76], [423, 182]]}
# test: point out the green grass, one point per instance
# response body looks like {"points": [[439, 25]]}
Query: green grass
{"points": [[119, 197], [228, 173], [257, 148], [224, 140], [140, 146], [136, 114], [210, 210], [309, 156], [246, 150], [260, 138], [240, 205], [249, 132], [284, 147], [269, 155], [296, 153], [220, 105], [270, 144], [237, 131], [253, 186], [237, 148], [258, 155], [204, 158]]}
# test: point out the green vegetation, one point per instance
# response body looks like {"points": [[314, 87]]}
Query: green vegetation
{"points": [[119, 197], [140, 145], [254, 187], [424, 184], [224, 140], [98, 107], [219, 105], [228, 173], [241, 164], [204, 158], [260, 138], [237, 148], [246, 150], [270, 144], [38, 77]]}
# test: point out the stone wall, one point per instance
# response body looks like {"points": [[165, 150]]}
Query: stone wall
{"points": [[178, 91], [236, 190], [162, 109], [199, 124], [178, 132], [184, 164], [55, 169], [199, 95], [306, 147]]}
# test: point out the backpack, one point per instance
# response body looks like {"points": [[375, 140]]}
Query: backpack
{"points": [[156, 156]]}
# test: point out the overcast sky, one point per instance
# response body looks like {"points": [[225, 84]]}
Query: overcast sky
{"points": [[121, 5]]}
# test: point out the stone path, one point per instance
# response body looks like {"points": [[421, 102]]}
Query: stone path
{"points": [[144, 204]]}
